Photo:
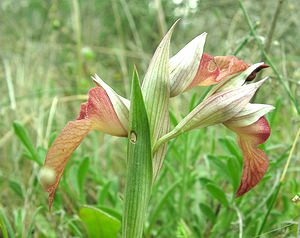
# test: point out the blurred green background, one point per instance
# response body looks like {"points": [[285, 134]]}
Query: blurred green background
{"points": [[49, 50]]}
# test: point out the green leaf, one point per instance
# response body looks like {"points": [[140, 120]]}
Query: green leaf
{"points": [[234, 169], [14, 185], [156, 91], [81, 174], [23, 136], [230, 145], [5, 228], [43, 226], [159, 206], [103, 193], [217, 193], [208, 212], [99, 223], [31, 226], [139, 166]]}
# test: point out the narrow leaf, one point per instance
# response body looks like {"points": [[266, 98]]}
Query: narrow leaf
{"points": [[156, 91], [139, 166], [217, 193], [23, 136]]}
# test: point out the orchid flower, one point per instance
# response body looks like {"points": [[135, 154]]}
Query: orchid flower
{"points": [[227, 103]]}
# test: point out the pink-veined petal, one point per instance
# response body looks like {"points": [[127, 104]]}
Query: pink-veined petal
{"points": [[213, 70], [99, 109], [208, 72], [61, 150], [255, 160], [97, 114], [229, 65]]}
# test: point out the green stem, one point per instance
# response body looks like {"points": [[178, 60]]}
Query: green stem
{"points": [[77, 31], [185, 176], [273, 25]]}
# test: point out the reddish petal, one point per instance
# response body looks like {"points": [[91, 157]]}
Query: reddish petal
{"points": [[255, 160], [62, 148], [98, 113], [207, 73], [213, 70], [229, 65], [83, 112]]}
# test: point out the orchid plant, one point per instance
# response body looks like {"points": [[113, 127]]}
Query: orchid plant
{"points": [[145, 120]]}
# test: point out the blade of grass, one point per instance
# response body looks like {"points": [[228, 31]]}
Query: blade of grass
{"points": [[10, 87]]}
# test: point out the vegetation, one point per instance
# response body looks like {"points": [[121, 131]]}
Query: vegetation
{"points": [[49, 50]]}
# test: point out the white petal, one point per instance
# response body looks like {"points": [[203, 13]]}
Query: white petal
{"points": [[250, 114], [184, 65], [215, 109], [120, 104]]}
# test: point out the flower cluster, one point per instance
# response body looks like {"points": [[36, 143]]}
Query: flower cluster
{"points": [[228, 102]]}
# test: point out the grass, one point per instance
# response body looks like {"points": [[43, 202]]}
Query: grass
{"points": [[49, 50]]}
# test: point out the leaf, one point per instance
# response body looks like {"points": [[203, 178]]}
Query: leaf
{"points": [[14, 185], [41, 154], [208, 212], [99, 223], [139, 165], [230, 145], [81, 175], [159, 206], [217, 193], [43, 226], [5, 227], [156, 92], [103, 193], [234, 168], [3, 231], [23, 136], [31, 226]]}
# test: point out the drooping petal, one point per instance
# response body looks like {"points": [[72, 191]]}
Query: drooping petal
{"points": [[255, 160], [184, 65], [97, 114], [61, 150]]}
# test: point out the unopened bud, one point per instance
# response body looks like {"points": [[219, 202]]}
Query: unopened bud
{"points": [[47, 176], [296, 199]]}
